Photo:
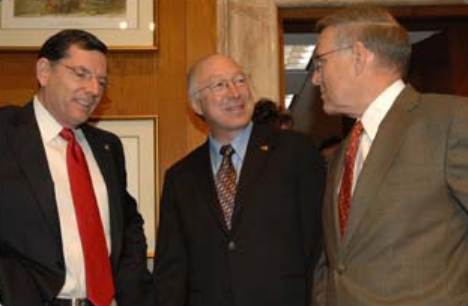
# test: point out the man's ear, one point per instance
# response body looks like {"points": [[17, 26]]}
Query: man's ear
{"points": [[195, 105], [362, 55], [43, 70]]}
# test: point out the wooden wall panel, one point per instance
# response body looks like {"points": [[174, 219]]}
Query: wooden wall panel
{"points": [[200, 37], [17, 77], [142, 82]]}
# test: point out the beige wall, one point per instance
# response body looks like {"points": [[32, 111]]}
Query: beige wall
{"points": [[248, 31]]}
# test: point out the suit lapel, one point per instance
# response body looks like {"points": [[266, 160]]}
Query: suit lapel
{"points": [[203, 175], [27, 144], [330, 217], [259, 148], [261, 145], [104, 155], [392, 132]]}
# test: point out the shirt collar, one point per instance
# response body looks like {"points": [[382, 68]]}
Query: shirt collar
{"points": [[239, 143], [48, 126], [377, 110]]}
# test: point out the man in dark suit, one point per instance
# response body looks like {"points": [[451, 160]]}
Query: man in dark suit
{"points": [[402, 237], [264, 251], [42, 251]]}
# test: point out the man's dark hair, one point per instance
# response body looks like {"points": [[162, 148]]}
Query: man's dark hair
{"points": [[57, 46], [268, 112]]}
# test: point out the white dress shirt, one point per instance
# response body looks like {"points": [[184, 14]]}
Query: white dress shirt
{"points": [[55, 148], [371, 120]]}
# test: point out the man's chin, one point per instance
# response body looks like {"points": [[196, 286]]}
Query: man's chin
{"points": [[79, 119], [330, 111]]}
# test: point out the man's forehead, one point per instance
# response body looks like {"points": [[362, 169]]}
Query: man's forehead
{"points": [[219, 68], [326, 38]]}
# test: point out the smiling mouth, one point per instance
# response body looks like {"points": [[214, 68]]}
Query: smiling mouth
{"points": [[235, 107], [84, 103]]}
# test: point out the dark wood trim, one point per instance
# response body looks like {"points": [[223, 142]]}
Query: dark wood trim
{"points": [[303, 19]]}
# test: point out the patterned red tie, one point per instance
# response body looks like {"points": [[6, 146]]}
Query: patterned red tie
{"points": [[226, 184], [347, 180], [99, 283]]}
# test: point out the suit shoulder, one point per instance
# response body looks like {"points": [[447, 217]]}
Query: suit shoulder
{"points": [[192, 159], [100, 133], [295, 145], [9, 110], [283, 135], [444, 100], [443, 106], [7, 113], [298, 138]]}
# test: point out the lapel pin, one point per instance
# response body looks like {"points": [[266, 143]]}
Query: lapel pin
{"points": [[264, 148], [107, 147]]}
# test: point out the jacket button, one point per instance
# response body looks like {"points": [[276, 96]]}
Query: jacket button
{"points": [[231, 246]]}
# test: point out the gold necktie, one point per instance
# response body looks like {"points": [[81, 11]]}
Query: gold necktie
{"points": [[226, 184]]}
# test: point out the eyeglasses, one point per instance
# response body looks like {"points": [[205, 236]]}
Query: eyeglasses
{"points": [[318, 60], [221, 86], [84, 75]]}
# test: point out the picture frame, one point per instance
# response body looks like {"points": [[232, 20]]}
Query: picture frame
{"points": [[139, 136], [128, 25]]}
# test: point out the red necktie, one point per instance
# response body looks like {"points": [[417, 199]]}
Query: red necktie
{"points": [[347, 179], [226, 183], [99, 283]]}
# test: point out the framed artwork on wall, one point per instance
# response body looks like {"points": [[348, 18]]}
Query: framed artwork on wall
{"points": [[139, 136], [121, 24]]}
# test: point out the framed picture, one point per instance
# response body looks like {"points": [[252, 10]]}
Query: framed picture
{"points": [[121, 24], [140, 141]]}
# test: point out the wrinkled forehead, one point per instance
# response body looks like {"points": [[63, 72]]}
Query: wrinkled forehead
{"points": [[76, 53], [217, 67], [327, 40]]}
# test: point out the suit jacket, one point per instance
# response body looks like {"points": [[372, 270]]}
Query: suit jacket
{"points": [[268, 256], [32, 267], [406, 242]]}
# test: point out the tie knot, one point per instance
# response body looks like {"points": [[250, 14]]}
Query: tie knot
{"points": [[67, 134], [357, 129], [227, 150]]}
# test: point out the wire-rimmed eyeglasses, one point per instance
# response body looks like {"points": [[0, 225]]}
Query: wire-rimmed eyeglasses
{"points": [[84, 75], [220, 86], [318, 59]]}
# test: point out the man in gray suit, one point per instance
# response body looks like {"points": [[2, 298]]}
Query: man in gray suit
{"points": [[404, 240]]}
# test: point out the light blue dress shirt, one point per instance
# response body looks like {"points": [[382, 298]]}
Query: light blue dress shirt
{"points": [[239, 144]]}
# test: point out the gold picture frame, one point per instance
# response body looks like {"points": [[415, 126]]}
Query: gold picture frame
{"points": [[131, 25], [139, 136]]}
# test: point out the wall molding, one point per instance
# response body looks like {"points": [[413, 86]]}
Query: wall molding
{"points": [[248, 31]]}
